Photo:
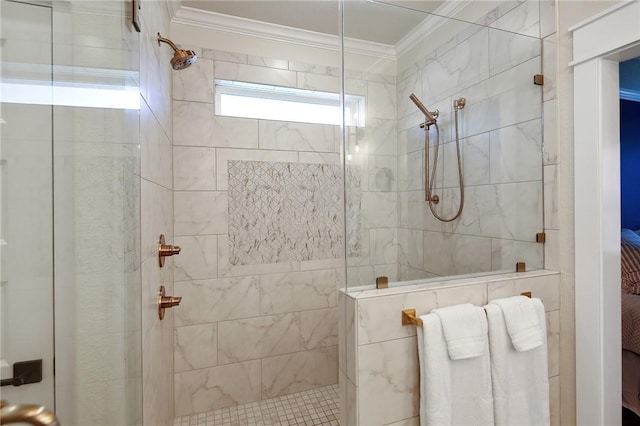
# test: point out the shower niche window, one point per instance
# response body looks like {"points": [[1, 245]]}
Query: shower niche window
{"points": [[476, 151], [269, 102]]}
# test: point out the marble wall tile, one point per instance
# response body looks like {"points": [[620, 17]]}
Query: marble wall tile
{"points": [[351, 343], [462, 66], [223, 156], [315, 69], [254, 74], [411, 139], [260, 337], [413, 421], [554, 400], [211, 388], [379, 137], [523, 19], [200, 212], [411, 171], [411, 248], [285, 374], [381, 100], [319, 158], [195, 347], [378, 318], [342, 393], [412, 84], [515, 153], [549, 65], [550, 136], [546, 288], [325, 83], [408, 273], [474, 294], [297, 291], [199, 260], [319, 328], [352, 404], [552, 250], [453, 254], [197, 125], [194, 168], [383, 245], [412, 209], [208, 301], [553, 343], [389, 270], [551, 201], [511, 211], [220, 55], [510, 93], [379, 210], [506, 253], [475, 159], [507, 49], [156, 205], [382, 173], [360, 275], [296, 136], [388, 389], [194, 83], [226, 269], [267, 62], [155, 150]]}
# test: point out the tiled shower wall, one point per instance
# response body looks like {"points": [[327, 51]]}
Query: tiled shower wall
{"points": [[258, 317], [501, 146]]}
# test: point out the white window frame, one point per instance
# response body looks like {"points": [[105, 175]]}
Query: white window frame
{"points": [[254, 92]]}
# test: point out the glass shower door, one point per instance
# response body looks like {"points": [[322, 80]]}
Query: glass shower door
{"points": [[26, 205]]}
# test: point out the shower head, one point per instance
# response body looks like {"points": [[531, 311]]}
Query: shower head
{"points": [[431, 117], [181, 58]]}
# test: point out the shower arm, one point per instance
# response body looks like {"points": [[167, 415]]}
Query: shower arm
{"points": [[169, 42]]}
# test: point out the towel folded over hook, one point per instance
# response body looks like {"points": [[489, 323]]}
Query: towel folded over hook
{"points": [[465, 330]]}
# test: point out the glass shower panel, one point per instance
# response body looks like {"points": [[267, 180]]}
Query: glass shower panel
{"points": [[26, 200], [97, 214], [391, 230]]}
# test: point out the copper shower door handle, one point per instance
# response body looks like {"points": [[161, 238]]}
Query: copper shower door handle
{"points": [[166, 250]]}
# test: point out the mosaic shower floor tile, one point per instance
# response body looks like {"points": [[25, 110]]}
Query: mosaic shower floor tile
{"points": [[313, 407]]}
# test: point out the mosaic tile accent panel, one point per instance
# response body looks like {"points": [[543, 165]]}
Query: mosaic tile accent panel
{"points": [[313, 407], [283, 212], [353, 210]]}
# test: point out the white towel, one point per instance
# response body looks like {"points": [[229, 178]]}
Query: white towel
{"points": [[522, 322], [465, 330], [452, 393], [520, 379]]}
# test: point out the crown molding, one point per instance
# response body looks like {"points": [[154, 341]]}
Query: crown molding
{"points": [[249, 27], [173, 6], [274, 32], [430, 25]]}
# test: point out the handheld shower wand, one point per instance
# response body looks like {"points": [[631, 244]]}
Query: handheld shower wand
{"points": [[431, 117]]}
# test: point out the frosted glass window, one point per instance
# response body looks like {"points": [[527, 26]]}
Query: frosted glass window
{"points": [[267, 102]]}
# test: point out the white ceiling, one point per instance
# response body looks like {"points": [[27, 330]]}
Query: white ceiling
{"points": [[371, 21]]}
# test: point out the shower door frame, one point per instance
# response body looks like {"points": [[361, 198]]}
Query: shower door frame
{"points": [[597, 207]]}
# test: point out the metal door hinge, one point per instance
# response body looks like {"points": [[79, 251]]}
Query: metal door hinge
{"points": [[538, 79], [541, 237]]}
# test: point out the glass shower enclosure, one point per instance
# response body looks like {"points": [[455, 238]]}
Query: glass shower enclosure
{"points": [[483, 72]]}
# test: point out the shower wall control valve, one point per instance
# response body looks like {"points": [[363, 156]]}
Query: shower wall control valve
{"points": [[165, 250]]}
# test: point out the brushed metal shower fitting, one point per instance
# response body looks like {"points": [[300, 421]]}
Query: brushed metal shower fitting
{"points": [[166, 250]]}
